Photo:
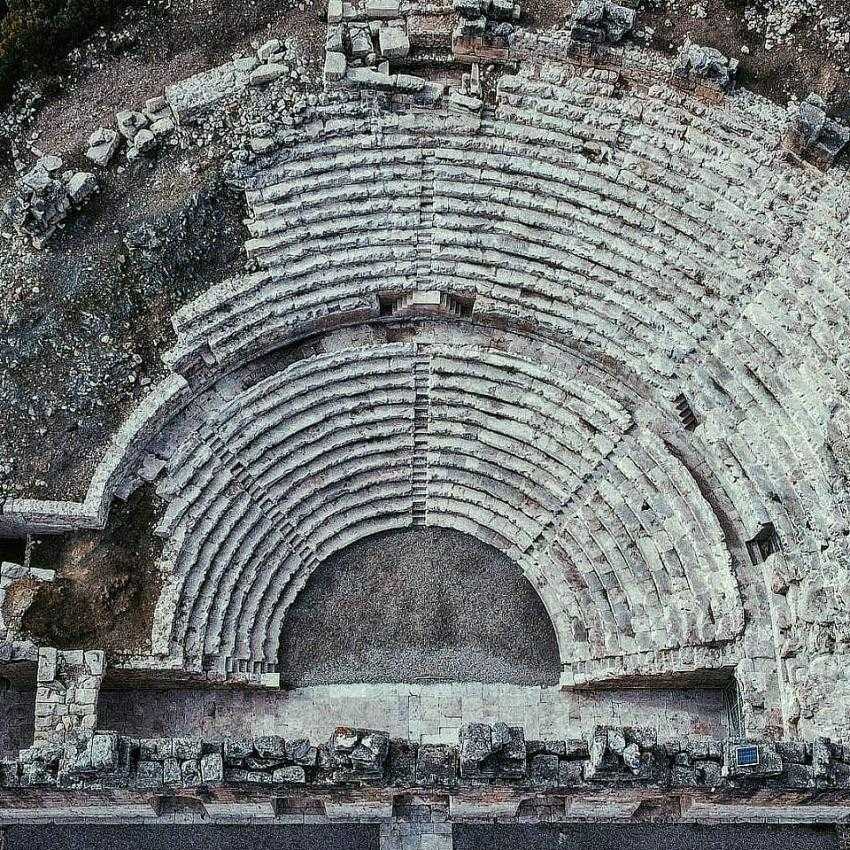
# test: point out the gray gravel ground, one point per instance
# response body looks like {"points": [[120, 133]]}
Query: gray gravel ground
{"points": [[194, 837], [421, 604], [472, 837]]}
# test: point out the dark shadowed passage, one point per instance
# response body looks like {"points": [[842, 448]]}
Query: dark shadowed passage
{"points": [[603, 836], [424, 604]]}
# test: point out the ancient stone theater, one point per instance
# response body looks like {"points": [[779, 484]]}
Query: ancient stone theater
{"points": [[485, 465]]}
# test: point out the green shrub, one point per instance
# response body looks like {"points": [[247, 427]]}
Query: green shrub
{"points": [[37, 34]]}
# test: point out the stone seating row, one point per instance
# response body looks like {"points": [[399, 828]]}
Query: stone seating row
{"points": [[321, 454], [643, 557]]}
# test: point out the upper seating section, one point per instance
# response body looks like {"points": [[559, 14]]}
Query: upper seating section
{"points": [[625, 220]]}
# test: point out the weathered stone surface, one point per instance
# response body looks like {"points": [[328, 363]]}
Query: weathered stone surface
{"points": [[144, 142], [436, 764], [270, 747], [264, 74], [291, 774], [103, 145], [130, 123], [162, 127], [212, 768], [269, 49], [816, 132], [393, 42], [360, 40], [382, 9], [705, 65], [81, 187], [335, 66], [601, 22]]}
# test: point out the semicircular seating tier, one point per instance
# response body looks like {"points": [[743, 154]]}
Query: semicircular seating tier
{"points": [[649, 231], [330, 450]]}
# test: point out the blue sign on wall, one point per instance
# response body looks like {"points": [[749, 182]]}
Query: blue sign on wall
{"points": [[747, 756]]}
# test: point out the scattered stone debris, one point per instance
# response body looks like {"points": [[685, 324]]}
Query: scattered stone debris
{"points": [[705, 66], [44, 201], [601, 22], [103, 145], [814, 135]]}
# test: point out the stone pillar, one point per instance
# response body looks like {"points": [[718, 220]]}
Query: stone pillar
{"points": [[406, 835], [66, 699]]}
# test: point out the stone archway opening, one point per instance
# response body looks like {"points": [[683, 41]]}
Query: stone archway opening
{"points": [[420, 605]]}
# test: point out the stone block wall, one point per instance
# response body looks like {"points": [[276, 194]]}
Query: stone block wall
{"points": [[612, 757], [66, 699], [17, 585]]}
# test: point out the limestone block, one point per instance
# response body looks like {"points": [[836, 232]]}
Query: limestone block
{"points": [[463, 102], [104, 752], [190, 772], [409, 84], [264, 74], [705, 65], [268, 49], [367, 78], [212, 768], [188, 749], [545, 769], [469, 8], [162, 127], [301, 752], [270, 747], [149, 774], [156, 108], [235, 752], [393, 42], [335, 66], [145, 142], [81, 187], [335, 38], [334, 11], [818, 131], [47, 659], [290, 774], [382, 9], [49, 163], [436, 764], [196, 96], [130, 123], [360, 40]]}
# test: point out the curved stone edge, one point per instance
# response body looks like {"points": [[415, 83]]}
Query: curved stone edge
{"points": [[33, 516]]}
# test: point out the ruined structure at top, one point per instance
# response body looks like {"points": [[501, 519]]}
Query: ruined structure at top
{"points": [[547, 293]]}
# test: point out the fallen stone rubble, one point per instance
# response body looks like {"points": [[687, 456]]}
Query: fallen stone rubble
{"points": [[611, 757], [700, 65], [45, 198], [601, 22], [816, 135]]}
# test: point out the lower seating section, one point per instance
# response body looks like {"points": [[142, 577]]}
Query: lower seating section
{"points": [[644, 558], [512, 440], [305, 462], [526, 456]]}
